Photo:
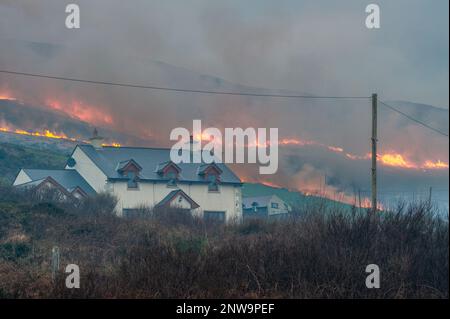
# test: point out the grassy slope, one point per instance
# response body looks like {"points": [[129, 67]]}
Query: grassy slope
{"points": [[13, 157]]}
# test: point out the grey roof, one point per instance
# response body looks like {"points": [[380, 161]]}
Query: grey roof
{"points": [[261, 201], [107, 159], [68, 178], [32, 183]]}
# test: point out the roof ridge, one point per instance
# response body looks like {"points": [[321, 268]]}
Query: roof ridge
{"points": [[137, 147], [48, 169]]}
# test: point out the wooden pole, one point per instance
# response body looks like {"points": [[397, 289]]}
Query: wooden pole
{"points": [[374, 152], [55, 262], [359, 200]]}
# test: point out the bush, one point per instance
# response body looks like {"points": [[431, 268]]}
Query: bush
{"points": [[12, 251], [170, 254]]}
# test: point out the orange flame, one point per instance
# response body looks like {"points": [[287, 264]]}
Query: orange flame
{"points": [[113, 144], [49, 134], [270, 184], [81, 111], [393, 159], [6, 97], [45, 133], [435, 165]]}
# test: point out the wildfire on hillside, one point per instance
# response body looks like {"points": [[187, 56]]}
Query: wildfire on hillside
{"points": [[81, 111], [93, 115], [50, 134]]}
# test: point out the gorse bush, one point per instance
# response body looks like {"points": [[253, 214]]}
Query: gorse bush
{"points": [[170, 254]]}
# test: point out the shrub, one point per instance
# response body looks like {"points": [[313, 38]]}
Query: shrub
{"points": [[174, 255]]}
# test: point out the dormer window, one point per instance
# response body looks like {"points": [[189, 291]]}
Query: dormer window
{"points": [[130, 169], [172, 176], [213, 183], [211, 174], [132, 179], [169, 171]]}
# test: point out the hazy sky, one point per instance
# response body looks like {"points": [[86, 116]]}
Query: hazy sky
{"points": [[316, 47], [320, 47]]}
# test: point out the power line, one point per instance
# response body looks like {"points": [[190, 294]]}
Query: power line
{"points": [[414, 119], [161, 88], [405, 191]]}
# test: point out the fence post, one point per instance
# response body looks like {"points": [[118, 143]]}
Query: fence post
{"points": [[55, 262]]}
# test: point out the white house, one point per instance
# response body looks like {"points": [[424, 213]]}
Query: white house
{"points": [[265, 207], [140, 176]]}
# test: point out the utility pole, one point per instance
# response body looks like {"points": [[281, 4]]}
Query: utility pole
{"points": [[429, 195], [359, 200], [374, 152]]}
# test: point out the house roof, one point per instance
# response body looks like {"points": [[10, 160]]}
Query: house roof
{"points": [[261, 201], [166, 200], [68, 178], [150, 159]]}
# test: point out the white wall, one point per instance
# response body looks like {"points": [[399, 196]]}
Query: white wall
{"points": [[281, 206], [21, 178], [180, 202], [228, 199], [88, 170]]}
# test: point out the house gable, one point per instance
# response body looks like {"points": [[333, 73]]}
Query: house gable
{"points": [[168, 167], [79, 193], [207, 170], [88, 169], [21, 178], [177, 198], [130, 165]]}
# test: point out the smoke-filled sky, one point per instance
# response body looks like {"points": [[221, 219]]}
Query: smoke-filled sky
{"points": [[322, 47], [312, 47]]}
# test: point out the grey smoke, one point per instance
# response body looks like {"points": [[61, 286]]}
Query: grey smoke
{"points": [[311, 47]]}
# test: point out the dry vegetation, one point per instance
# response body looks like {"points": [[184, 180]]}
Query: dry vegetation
{"points": [[314, 254]]}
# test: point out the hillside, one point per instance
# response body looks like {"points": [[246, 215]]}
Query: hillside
{"points": [[13, 157]]}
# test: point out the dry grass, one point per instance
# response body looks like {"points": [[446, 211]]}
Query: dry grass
{"points": [[168, 255]]}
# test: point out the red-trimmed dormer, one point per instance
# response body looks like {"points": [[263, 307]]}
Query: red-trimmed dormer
{"points": [[211, 173], [130, 169], [170, 171]]}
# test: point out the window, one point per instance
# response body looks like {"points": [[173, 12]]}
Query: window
{"points": [[214, 216], [274, 205], [71, 162], [213, 185], [172, 176], [132, 180]]}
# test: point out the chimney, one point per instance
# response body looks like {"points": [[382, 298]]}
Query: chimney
{"points": [[96, 140]]}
